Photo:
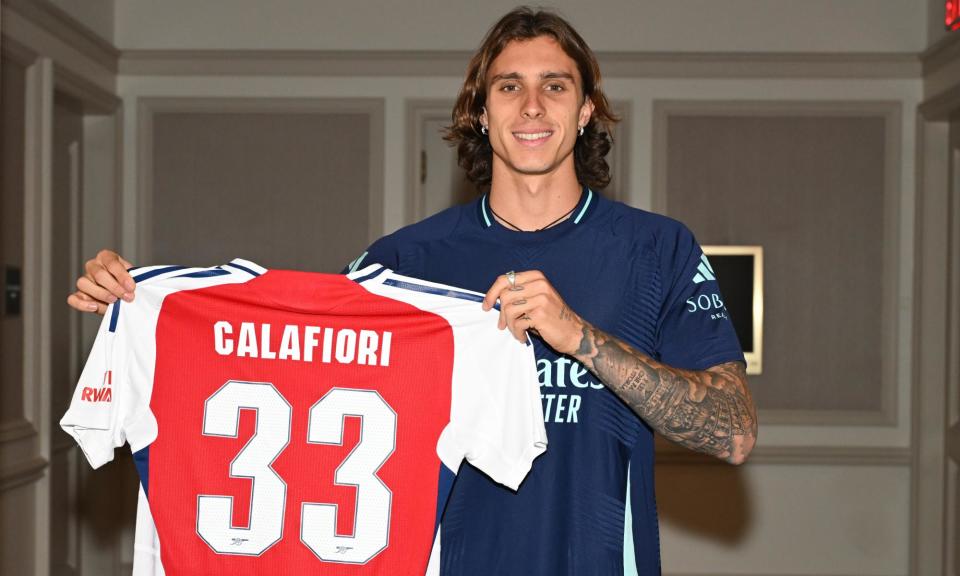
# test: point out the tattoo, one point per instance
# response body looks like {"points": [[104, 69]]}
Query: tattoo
{"points": [[710, 411]]}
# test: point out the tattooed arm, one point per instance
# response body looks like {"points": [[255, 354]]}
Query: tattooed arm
{"points": [[709, 411]]}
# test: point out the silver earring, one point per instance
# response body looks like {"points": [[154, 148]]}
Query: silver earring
{"points": [[483, 130], [581, 131]]}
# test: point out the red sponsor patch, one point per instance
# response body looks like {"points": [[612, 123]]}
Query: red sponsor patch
{"points": [[96, 394]]}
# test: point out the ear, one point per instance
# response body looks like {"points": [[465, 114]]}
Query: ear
{"points": [[586, 111], [483, 117]]}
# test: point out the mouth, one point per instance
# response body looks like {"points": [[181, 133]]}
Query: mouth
{"points": [[533, 138]]}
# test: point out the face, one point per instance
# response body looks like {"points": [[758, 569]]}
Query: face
{"points": [[534, 108]]}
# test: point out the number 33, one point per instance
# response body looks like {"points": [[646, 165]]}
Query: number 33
{"points": [[221, 417]]}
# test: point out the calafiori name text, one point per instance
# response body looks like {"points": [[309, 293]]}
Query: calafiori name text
{"points": [[302, 343]]}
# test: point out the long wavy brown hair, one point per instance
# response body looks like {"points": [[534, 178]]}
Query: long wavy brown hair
{"points": [[474, 152]]}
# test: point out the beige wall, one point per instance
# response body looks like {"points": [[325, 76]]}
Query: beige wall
{"points": [[285, 189], [609, 25]]}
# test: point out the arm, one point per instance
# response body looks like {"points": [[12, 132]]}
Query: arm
{"points": [[710, 410]]}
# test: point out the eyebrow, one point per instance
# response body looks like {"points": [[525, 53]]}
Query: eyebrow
{"points": [[543, 76]]}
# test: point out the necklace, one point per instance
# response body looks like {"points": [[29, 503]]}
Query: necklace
{"points": [[518, 229]]}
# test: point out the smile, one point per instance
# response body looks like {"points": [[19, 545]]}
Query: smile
{"points": [[533, 137]]}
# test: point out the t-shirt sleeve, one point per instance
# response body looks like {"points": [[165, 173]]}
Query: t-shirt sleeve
{"points": [[496, 418], [695, 331], [98, 410], [383, 252]]}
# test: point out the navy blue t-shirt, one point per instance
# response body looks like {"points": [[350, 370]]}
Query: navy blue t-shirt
{"points": [[637, 275]]}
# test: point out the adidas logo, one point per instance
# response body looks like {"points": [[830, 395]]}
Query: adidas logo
{"points": [[705, 271]]}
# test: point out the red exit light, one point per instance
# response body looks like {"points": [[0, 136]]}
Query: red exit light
{"points": [[952, 17]]}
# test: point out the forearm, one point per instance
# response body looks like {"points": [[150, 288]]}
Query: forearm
{"points": [[709, 411]]}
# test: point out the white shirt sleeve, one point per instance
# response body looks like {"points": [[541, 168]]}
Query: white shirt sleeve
{"points": [[98, 409], [496, 418]]}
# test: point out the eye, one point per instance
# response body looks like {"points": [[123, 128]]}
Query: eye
{"points": [[509, 87], [556, 87]]}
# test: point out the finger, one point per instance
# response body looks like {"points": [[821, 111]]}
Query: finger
{"points": [[89, 304], [509, 297], [78, 302], [94, 292], [493, 293], [124, 261], [108, 281], [118, 270], [502, 284], [521, 325], [519, 317], [512, 294]]}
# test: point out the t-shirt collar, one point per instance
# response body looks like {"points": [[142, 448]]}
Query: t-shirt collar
{"points": [[580, 211]]}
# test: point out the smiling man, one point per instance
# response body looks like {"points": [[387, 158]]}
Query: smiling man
{"points": [[601, 287]]}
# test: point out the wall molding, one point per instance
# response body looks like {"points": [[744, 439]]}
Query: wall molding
{"points": [[454, 62], [940, 54], [17, 430], [94, 99], [941, 106], [63, 26], [759, 65], [16, 52], [936, 321], [891, 112], [671, 455], [23, 473]]}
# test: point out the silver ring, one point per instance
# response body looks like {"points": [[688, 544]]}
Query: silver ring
{"points": [[512, 279]]}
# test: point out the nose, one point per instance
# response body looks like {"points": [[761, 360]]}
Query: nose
{"points": [[532, 106]]}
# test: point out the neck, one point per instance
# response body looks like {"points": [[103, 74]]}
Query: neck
{"points": [[533, 202]]}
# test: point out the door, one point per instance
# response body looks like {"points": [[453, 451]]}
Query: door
{"points": [[65, 194]]}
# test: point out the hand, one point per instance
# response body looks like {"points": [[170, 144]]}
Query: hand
{"points": [[106, 280], [533, 304]]}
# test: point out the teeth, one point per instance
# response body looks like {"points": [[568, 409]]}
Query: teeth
{"points": [[536, 136]]}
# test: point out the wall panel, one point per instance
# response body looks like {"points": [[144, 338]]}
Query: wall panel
{"points": [[810, 190]]}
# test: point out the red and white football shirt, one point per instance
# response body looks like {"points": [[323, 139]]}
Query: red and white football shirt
{"points": [[287, 422]]}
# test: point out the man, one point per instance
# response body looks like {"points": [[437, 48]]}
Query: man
{"points": [[602, 287]]}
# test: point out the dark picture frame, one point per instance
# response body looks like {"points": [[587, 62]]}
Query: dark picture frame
{"points": [[739, 271]]}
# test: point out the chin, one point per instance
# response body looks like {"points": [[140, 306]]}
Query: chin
{"points": [[534, 167], [538, 170]]}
